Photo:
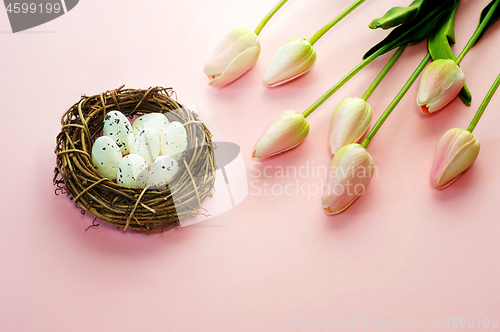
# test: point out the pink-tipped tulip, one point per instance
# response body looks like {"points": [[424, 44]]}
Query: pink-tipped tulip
{"points": [[441, 82], [293, 59], [350, 120], [233, 57], [455, 153], [285, 132], [350, 173]]}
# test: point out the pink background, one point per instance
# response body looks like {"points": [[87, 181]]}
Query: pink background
{"points": [[402, 252]]}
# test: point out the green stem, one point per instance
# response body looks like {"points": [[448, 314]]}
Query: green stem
{"points": [[478, 32], [336, 20], [384, 71], [268, 16], [485, 103], [339, 84], [396, 100]]}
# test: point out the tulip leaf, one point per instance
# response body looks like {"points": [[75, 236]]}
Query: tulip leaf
{"points": [[417, 28], [439, 40], [442, 36], [493, 19], [396, 16]]}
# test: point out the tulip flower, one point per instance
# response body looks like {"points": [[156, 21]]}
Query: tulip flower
{"points": [[285, 132], [234, 56], [285, 129], [236, 53], [350, 173], [443, 79], [458, 148], [297, 55], [455, 153], [293, 59], [352, 117], [441, 82], [350, 120], [352, 166]]}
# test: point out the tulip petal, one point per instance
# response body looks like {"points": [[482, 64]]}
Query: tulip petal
{"points": [[286, 80], [448, 96], [236, 54], [456, 152], [285, 132], [240, 65], [441, 82], [350, 121], [292, 60], [350, 173]]}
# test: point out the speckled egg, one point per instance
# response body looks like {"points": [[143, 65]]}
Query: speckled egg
{"points": [[117, 126], [106, 156], [157, 121], [146, 144], [174, 140], [132, 171], [161, 171]]}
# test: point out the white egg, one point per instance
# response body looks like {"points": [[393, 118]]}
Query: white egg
{"points": [[174, 140], [117, 126], [161, 171], [146, 144], [106, 156], [132, 171], [157, 121]]}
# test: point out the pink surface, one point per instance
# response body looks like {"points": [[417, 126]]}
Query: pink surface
{"points": [[402, 252]]}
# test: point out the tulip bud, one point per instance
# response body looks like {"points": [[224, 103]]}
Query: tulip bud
{"points": [[233, 57], [350, 120], [441, 82], [293, 59], [350, 173], [456, 151], [285, 132]]}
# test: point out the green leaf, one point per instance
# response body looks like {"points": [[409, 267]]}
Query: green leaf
{"points": [[442, 36], [439, 41], [493, 19], [418, 28], [396, 16]]}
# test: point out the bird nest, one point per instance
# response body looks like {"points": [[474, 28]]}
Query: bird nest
{"points": [[139, 209]]}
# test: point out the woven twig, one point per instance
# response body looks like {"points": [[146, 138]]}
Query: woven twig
{"points": [[125, 207]]}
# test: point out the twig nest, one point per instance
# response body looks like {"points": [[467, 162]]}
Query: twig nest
{"points": [[180, 182]]}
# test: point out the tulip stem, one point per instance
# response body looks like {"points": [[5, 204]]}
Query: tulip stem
{"points": [[336, 20], [478, 32], [340, 83], [384, 71], [484, 104], [268, 16], [396, 100]]}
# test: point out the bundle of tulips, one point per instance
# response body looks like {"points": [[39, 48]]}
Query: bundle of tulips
{"points": [[441, 82]]}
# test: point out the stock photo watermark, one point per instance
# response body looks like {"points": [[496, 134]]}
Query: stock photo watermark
{"points": [[308, 179], [25, 15], [429, 323]]}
